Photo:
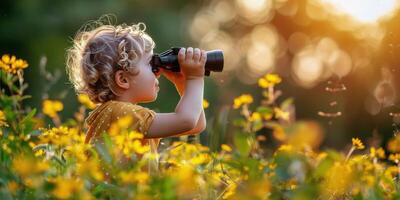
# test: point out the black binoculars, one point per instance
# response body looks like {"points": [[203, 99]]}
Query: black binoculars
{"points": [[169, 60]]}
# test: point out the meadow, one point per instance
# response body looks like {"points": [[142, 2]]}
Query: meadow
{"points": [[39, 161]]}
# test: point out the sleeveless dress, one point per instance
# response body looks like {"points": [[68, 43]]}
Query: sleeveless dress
{"points": [[101, 118]]}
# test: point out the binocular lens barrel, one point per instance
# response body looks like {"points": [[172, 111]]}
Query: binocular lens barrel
{"points": [[215, 61], [169, 60]]}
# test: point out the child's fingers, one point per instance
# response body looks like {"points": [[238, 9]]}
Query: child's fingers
{"points": [[189, 54], [203, 57], [181, 55], [196, 55]]}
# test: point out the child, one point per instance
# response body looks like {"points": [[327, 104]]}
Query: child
{"points": [[111, 65]]}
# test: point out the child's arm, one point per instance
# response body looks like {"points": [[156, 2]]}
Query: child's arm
{"points": [[201, 122], [187, 112], [200, 126]]}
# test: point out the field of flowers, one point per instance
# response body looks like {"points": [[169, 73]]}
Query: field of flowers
{"points": [[41, 161]]}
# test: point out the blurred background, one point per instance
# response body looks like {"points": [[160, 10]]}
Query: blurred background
{"points": [[339, 59]]}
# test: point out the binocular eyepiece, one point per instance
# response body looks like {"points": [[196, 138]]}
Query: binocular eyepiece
{"points": [[169, 60]]}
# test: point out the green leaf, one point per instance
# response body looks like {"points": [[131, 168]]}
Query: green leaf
{"points": [[104, 189], [286, 103], [240, 122], [243, 143], [265, 110], [27, 123], [257, 125]]}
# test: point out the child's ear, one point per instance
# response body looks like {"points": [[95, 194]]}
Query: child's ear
{"points": [[121, 79]]}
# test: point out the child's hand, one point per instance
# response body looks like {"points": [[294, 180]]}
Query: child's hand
{"points": [[192, 62]]}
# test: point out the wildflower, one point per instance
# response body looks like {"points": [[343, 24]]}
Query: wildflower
{"points": [[226, 148], [269, 80], [3, 119], [25, 166], [243, 99], [12, 186], [255, 116], [57, 135], [357, 144], [130, 143], [200, 159], [394, 144], [11, 64], [205, 104], [231, 190], [51, 107], [394, 157], [133, 177], [377, 153], [66, 187], [91, 167], [84, 99], [77, 150], [337, 180], [280, 114], [285, 147], [39, 152]]}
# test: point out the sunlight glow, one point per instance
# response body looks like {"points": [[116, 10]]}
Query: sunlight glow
{"points": [[367, 11]]}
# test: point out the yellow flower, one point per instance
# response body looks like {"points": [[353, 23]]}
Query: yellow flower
{"points": [[394, 157], [394, 144], [231, 190], [84, 99], [51, 107], [121, 124], [337, 180], [3, 119], [200, 159], [11, 64], [357, 143], [280, 114], [273, 78], [25, 166], [255, 116], [378, 153], [242, 99], [205, 104], [269, 80], [90, 167], [285, 147], [57, 135], [66, 187], [12, 186], [226, 148], [39, 152], [130, 143], [133, 177]]}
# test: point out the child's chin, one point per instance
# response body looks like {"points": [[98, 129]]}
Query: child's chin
{"points": [[151, 99]]}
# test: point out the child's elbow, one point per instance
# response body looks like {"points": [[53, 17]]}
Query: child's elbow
{"points": [[200, 129], [189, 124]]}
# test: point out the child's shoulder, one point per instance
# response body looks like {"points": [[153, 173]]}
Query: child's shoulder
{"points": [[117, 109]]}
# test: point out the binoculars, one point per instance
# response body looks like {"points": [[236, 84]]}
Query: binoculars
{"points": [[169, 60]]}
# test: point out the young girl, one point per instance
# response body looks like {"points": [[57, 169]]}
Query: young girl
{"points": [[112, 65]]}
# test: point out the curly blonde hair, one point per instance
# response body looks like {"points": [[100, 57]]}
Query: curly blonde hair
{"points": [[99, 50]]}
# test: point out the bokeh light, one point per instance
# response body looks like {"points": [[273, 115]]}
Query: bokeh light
{"points": [[255, 11], [307, 68], [367, 11]]}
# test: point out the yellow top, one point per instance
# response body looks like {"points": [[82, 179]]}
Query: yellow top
{"points": [[101, 118]]}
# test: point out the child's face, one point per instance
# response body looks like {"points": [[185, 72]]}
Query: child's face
{"points": [[144, 86]]}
